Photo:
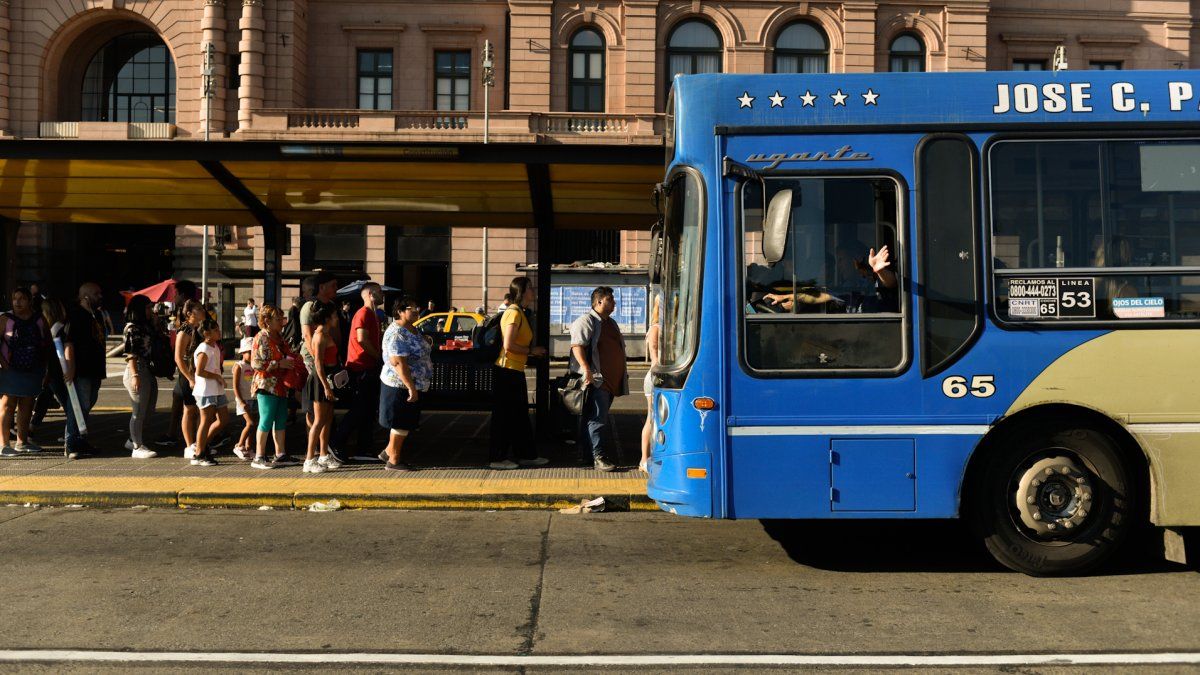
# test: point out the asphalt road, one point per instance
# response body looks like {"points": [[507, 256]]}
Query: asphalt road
{"points": [[545, 584]]}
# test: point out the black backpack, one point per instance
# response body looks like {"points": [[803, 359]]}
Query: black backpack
{"points": [[162, 357], [490, 337]]}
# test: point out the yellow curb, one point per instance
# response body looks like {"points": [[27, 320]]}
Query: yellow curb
{"points": [[298, 492]]}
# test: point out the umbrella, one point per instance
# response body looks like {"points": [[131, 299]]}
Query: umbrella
{"points": [[352, 289], [163, 291]]}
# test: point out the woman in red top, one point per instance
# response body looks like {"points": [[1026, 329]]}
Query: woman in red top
{"points": [[320, 392]]}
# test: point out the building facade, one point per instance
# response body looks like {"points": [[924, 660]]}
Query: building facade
{"points": [[560, 72]]}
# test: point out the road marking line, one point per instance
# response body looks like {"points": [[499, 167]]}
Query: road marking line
{"points": [[880, 660]]}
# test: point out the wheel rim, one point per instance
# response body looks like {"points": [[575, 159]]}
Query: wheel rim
{"points": [[1054, 496]]}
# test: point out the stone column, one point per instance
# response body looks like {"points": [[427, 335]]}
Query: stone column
{"points": [[250, 90], [212, 27], [5, 90]]}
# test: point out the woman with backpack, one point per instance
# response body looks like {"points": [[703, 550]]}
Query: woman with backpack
{"points": [[141, 332], [511, 432], [24, 348]]}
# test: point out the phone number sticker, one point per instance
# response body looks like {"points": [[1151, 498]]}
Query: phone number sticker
{"points": [[1052, 298]]}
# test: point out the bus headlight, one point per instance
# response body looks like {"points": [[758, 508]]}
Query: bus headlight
{"points": [[662, 409]]}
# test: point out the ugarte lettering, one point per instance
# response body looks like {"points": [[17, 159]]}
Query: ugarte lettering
{"points": [[842, 154]]}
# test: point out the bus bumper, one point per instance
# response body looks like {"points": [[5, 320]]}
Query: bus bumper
{"points": [[682, 484]]}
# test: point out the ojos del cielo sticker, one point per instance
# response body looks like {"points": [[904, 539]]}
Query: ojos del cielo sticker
{"points": [[1052, 298]]}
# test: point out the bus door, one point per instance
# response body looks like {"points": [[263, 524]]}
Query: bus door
{"points": [[823, 399]]}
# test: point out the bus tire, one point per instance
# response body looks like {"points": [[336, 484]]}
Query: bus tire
{"points": [[1054, 501]]}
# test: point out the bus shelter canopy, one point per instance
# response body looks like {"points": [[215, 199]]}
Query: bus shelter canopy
{"points": [[240, 183]]}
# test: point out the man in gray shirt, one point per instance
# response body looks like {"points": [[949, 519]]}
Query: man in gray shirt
{"points": [[598, 355]]}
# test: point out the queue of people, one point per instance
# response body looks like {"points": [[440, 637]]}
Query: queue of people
{"points": [[307, 358]]}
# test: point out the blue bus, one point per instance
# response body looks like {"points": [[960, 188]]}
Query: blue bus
{"points": [[934, 295]]}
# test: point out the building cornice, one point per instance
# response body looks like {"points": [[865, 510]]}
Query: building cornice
{"points": [[374, 27], [451, 28]]}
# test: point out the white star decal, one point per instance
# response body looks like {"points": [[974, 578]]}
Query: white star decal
{"points": [[746, 100], [808, 98], [870, 98], [777, 100], [839, 98]]}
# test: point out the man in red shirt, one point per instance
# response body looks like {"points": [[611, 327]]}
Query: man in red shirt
{"points": [[363, 360]]}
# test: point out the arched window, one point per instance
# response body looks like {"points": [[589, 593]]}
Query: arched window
{"points": [[586, 82], [801, 48], [907, 55], [693, 47], [130, 79]]}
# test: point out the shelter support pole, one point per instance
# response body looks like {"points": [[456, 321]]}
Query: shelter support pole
{"points": [[275, 233], [8, 255], [274, 242], [543, 219]]}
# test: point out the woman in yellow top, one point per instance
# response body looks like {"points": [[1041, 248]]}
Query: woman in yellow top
{"points": [[512, 434]]}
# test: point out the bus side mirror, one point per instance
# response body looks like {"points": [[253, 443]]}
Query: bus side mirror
{"points": [[776, 225], [656, 252]]}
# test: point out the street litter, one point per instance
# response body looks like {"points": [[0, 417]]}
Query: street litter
{"points": [[264, 507], [586, 506], [331, 505], [74, 506], [140, 507]]}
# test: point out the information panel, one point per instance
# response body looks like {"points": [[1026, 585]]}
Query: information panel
{"points": [[1052, 298], [568, 303]]}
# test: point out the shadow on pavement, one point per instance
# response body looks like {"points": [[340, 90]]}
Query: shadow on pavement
{"points": [[923, 546]]}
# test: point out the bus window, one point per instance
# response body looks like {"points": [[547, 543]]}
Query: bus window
{"points": [[1096, 230], [946, 210], [681, 264], [833, 301]]}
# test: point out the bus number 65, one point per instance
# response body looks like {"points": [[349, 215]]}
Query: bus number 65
{"points": [[982, 386]]}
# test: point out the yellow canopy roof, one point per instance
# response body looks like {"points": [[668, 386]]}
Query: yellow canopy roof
{"points": [[228, 183]]}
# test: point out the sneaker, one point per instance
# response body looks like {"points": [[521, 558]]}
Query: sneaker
{"points": [[503, 465], [339, 455], [242, 453], [190, 452], [383, 456], [26, 447], [77, 453], [142, 452], [329, 461], [313, 466], [262, 463], [130, 445], [398, 466], [283, 460], [8, 451], [204, 460], [536, 461], [601, 465], [220, 442]]}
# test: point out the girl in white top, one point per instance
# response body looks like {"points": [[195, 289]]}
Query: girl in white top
{"points": [[247, 405], [209, 391], [652, 338]]}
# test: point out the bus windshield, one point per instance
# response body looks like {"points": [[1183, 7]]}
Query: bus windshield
{"points": [[681, 270]]}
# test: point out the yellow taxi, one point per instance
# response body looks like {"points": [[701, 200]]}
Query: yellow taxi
{"points": [[449, 330]]}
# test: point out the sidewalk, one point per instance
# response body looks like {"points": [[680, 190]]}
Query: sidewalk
{"points": [[448, 451]]}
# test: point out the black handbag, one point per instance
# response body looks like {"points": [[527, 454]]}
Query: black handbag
{"points": [[573, 394]]}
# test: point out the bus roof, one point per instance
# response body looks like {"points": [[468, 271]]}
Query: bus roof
{"points": [[750, 103]]}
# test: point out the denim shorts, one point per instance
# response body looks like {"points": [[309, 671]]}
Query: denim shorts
{"points": [[220, 401]]}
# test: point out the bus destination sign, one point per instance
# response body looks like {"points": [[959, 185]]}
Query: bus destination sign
{"points": [[1052, 298]]}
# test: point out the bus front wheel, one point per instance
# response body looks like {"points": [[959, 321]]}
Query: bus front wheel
{"points": [[1054, 501]]}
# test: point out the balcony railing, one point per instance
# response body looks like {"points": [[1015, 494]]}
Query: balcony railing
{"points": [[504, 125], [106, 130]]}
